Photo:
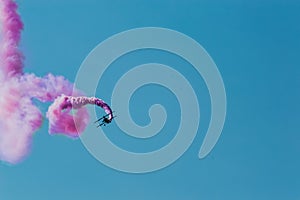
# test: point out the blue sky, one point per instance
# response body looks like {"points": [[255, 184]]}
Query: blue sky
{"points": [[255, 46]]}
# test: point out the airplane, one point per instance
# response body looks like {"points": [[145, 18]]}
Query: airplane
{"points": [[105, 120]]}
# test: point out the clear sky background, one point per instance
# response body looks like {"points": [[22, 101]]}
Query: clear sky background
{"points": [[256, 47]]}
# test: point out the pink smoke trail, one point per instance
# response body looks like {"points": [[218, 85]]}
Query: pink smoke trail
{"points": [[11, 56], [19, 117], [61, 121]]}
